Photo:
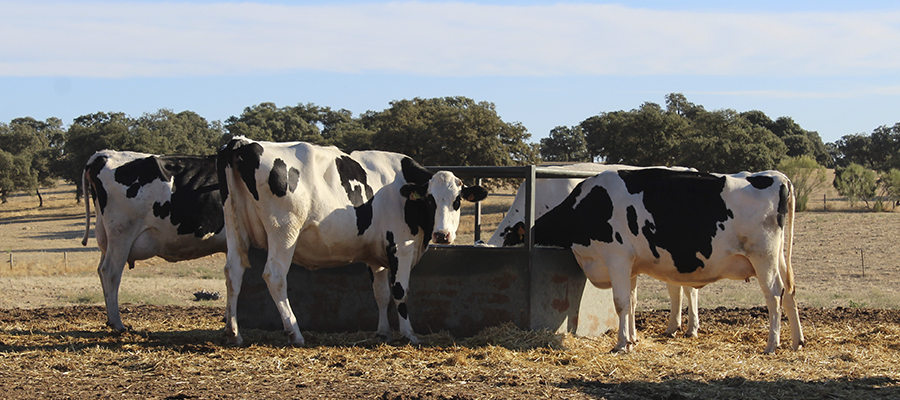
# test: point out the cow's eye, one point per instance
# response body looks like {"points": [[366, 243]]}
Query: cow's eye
{"points": [[457, 203]]}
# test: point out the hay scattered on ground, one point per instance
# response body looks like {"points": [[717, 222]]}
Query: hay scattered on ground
{"points": [[177, 352]]}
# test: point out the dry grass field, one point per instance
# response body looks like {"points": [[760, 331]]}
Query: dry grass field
{"points": [[53, 343]]}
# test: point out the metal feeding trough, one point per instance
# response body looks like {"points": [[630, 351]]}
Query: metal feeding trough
{"points": [[459, 289]]}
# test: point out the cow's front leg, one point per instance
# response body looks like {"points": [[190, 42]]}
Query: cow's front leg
{"points": [[400, 287], [632, 325], [382, 290], [620, 277]]}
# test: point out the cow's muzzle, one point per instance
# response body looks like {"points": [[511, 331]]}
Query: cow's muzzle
{"points": [[441, 237]]}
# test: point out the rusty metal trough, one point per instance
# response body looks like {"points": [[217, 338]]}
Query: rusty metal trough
{"points": [[460, 289]]}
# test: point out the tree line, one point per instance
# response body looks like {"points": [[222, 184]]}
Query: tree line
{"points": [[445, 131]]}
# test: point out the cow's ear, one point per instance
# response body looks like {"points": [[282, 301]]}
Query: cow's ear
{"points": [[414, 192], [474, 193]]}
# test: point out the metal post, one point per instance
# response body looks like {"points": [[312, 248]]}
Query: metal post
{"points": [[529, 208], [477, 215]]}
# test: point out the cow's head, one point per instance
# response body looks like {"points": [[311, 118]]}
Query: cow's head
{"points": [[436, 205], [514, 235]]}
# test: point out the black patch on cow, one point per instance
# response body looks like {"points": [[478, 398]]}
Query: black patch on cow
{"points": [[97, 190], [784, 195], [282, 179], [398, 291], [413, 172], [196, 205], [350, 171], [568, 223], [135, 174], [244, 157], [760, 181], [686, 209], [403, 311], [418, 211], [631, 215], [391, 253], [619, 238], [162, 210], [364, 216], [722, 227], [371, 275], [649, 231]]}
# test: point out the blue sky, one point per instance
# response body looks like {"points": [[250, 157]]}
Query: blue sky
{"points": [[833, 66]]}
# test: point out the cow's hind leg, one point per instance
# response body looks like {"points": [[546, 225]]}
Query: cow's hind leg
{"points": [[382, 290], [110, 270], [693, 298], [773, 288], [234, 277], [275, 275], [674, 309]]}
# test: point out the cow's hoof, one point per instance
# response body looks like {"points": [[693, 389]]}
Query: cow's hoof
{"points": [[670, 333], [233, 340], [117, 331], [622, 349], [296, 340], [381, 338]]}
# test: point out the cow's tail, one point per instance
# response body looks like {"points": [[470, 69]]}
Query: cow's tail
{"points": [[85, 181], [789, 238], [229, 181]]}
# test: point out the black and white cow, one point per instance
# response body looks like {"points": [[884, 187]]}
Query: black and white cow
{"points": [[681, 227], [548, 193], [149, 205], [319, 207]]}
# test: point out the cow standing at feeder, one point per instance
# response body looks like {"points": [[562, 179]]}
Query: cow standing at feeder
{"points": [[319, 207], [149, 205], [548, 193], [681, 227]]}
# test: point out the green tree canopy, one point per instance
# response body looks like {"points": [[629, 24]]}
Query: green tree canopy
{"points": [[303, 122], [163, 132], [724, 141], [644, 136], [30, 151], [687, 134], [565, 144], [450, 131]]}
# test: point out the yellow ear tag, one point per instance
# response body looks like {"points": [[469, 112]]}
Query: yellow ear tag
{"points": [[415, 196]]}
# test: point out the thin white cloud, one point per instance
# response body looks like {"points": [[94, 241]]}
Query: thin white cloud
{"points": [[831, 93], [112, 39]]}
